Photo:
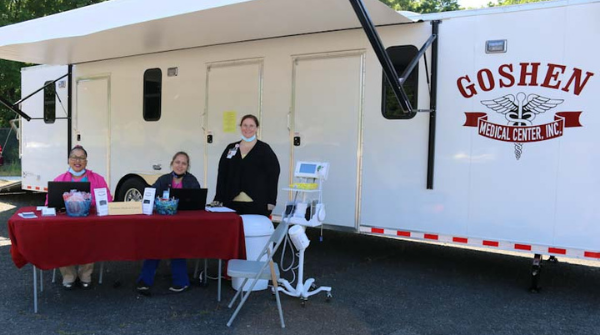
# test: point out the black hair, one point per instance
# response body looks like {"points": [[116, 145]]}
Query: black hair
{"points": [[78, 147]]}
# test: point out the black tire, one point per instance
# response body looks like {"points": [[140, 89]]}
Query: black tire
{"points": [[132, 190]]}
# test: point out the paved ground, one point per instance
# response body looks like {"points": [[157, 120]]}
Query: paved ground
{"points": [[10, 183], [381, 286]]}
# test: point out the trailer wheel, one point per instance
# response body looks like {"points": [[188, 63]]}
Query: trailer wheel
{"points": [[131, 190]]}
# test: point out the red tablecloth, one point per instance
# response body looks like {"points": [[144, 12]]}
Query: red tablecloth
{"points": [[51, 242]]}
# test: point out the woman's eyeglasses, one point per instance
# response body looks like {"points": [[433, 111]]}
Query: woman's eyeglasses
{"points": [[77, 158]]}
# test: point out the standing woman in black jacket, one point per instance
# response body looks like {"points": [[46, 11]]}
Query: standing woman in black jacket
{"points": [[248, 173], [178, 178]]}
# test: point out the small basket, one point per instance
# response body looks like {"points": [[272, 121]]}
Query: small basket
{"points": [[78, 208], [166, 206]]}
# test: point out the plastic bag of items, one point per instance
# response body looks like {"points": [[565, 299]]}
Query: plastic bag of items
{"points": [[77, 203], [166, 206]]}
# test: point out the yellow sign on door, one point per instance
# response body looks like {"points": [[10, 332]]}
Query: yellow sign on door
{"points": [[229, 121]]}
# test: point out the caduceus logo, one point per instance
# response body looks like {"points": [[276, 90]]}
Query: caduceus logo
{"points": [[520, 113], [521, 110]]}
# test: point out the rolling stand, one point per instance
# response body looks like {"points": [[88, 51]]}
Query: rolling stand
{"points": [[303, 288], [305, 213]]}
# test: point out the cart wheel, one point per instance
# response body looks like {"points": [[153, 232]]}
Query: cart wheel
{"points": [[553, 259], [329, 297], [313, 286]]}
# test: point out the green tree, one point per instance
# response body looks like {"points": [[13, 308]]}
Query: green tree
{"points": [[511, 2], [423, 6], [436, 6], [406, 5], [15, 11]]}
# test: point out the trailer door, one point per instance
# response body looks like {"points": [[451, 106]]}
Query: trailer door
{"points": [[327, 111], [44, 138], [233, 90], [91, 124]]}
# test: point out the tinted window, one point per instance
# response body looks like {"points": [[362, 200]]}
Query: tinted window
{"points": [[400, 57], [152, 94], [49, 102]]}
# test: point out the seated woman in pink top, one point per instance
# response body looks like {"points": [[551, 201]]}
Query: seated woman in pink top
{"points": [[78, 172]]}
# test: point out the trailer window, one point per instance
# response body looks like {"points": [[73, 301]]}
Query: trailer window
{"points": [[49, 102], [400, 57], [152, 94]]}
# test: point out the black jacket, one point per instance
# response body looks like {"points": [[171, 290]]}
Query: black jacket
{"points": [[256, 175], [164, 182]]}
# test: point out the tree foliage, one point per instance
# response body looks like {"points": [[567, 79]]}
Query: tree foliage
{"points": [[15, 11], [423, 6], [511, 2]]}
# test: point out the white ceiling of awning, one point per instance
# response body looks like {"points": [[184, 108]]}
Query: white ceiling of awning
{"points": [[121, 28]]}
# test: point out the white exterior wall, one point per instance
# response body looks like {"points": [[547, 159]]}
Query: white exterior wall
{"points": [[43, 146], [481, 191], [136, 145]]}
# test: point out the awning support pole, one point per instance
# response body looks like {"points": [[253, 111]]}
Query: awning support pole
{"points": [[70, 109], [10, 106], [417, 57], [16, 109], [384, 59], [432, 106], [41, 88]]}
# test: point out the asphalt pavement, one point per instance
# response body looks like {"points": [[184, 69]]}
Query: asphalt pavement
{"points": [[380, 286]]}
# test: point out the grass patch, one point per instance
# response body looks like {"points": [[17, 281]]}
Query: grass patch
{"points": [[11, 169]]}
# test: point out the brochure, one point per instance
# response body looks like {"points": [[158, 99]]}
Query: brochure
{"points": [[148, 201], [219, 209], [28, 215], [46, 211], [101, 195]]}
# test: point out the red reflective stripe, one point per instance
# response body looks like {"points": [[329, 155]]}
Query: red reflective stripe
{"points": [[403, 233], [29, 187], [490, 243], [557, 251], [522, 246], [37, 188], [460, 240], [592, 254], [431, 237], [377, 230], [46, 189]]}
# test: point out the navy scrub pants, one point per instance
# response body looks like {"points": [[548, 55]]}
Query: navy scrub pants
{"points": [[178, 272]]}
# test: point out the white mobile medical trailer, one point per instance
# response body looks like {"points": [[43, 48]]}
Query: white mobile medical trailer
{"points": [[490, 141]]}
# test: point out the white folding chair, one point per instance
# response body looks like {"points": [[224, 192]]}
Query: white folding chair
{"points": [[257, 270]]}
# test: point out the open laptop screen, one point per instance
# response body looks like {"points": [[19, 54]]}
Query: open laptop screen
{"points": [[190, 198], [57, 188]]}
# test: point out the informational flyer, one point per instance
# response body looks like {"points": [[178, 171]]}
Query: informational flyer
{"points": [[101, 195], [229, 122], [148, 201]]}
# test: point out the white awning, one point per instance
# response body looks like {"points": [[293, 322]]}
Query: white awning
{"points": [[121, 28]]}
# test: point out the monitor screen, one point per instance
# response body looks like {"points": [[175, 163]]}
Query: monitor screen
{"points": [[308, 168]]}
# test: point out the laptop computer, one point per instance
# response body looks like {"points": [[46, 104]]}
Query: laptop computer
{"points": [[57, 188], [190, 198]]}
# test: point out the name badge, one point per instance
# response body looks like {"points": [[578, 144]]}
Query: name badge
{"points": [[231, 152]]}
